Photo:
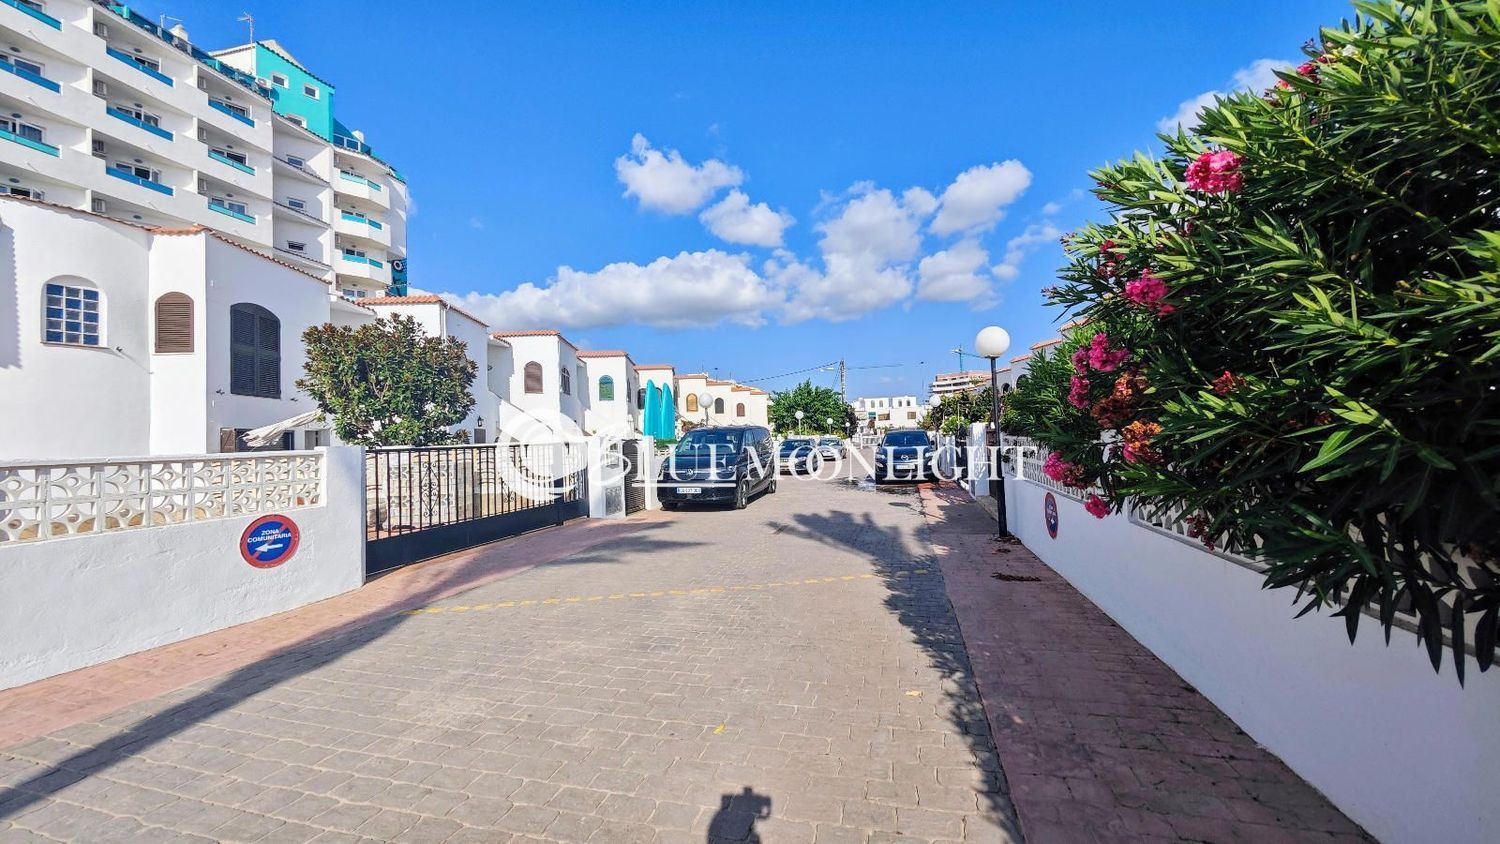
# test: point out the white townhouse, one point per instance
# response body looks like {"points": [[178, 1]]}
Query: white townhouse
{"points": [[881, 413], [134, 340], [543, 378], [728, 403], [615, 396], [104, 110]]}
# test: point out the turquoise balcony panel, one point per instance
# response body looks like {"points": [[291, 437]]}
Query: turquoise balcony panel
{"points": [[221, 157], [130, 60], [218, 106], [361, 180], [35, 13], [35, 79], [137, 180], [27, 142], [355, 218], [360, 259], [155, 130], [229, 212]]}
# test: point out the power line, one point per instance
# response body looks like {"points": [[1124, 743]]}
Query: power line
{"points": [[789, 374]]}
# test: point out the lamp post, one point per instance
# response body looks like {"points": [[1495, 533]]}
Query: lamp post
{"points": [[799, 415], [993, 342], [829, 422], [703, 402]]}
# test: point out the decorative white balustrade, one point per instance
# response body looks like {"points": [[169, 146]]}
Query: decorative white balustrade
{"points": [[40, 501]]}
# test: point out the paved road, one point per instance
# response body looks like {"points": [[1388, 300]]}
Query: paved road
{"points": [[788, 673]]}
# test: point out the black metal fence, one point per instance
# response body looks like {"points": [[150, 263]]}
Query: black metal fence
{"points": [[424, 502]]}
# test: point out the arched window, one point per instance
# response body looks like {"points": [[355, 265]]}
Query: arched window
{"points": [[174, 324], [692, 403], [718, 405], [640, 399], [73, 315], [567, 381], [254, 352], [739, 409], [1005, 388], [606, 388], [533, 377]]}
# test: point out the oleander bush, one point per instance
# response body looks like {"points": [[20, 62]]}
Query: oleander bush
{"points": [[1293, 327]]}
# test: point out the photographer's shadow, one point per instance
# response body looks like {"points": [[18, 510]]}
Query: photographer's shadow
{"points": [[735, 820]]}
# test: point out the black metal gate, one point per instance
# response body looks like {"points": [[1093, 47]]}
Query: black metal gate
{"points": [[425, 502], [635, 491]]}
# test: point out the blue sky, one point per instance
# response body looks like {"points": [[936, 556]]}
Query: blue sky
{"points": [[515, 123]]}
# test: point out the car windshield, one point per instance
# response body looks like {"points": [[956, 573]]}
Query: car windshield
{"points": [[710, 442], [788, 445], [905, 439], [828, 441]]}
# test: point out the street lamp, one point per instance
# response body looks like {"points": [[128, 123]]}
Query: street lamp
{"points": [[829, 422], [799, 416], [703, 402], [993, 342]]}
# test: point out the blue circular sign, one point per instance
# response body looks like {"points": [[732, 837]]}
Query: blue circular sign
{"points": [[269, 541], [1049, 513]]}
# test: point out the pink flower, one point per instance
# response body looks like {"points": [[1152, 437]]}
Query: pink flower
{"points": [[1146, 290], [1216, 172], [1060, 470], [1227, 383], [1103, 357], [1081, 360], [1096, 507], [1078, 392]]}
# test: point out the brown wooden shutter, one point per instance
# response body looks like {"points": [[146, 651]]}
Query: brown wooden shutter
{"points": [[739, 409], [174, 324], [227, 440], [533, 377]]}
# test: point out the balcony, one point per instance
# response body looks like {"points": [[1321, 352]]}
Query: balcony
{"points": [[224, 159], [135, 63], [34, 78], [356, 218], [301, 170], [360, 259], [137, 180], [28, 142], [135, 121], [359, 180], [218, 106], [35, 13], [301, 215], [216, 205], [362, 228], [358, 187]]}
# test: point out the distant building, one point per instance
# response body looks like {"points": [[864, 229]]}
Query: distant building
{"points": [[882, 413], [948, 383]]}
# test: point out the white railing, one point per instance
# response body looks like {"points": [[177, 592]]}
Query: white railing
{"points": [[1033, 456], [40, 501]]}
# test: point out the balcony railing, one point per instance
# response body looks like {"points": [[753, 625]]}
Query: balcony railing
{"points": [[27, 142], [137, 180], [222, 158], [360, 259], [355, 177], [301, 169], [356, 218], [218, 106], [34, 78], [131, 60], [229, 212], [135, 121], [35, 13]]}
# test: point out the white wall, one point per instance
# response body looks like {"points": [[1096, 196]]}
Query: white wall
{"points": [[89, 599], [619, 416], [1405, 752]]}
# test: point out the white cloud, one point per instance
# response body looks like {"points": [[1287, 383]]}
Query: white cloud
{"points": [[1256, 76], [849, 287], [1051, 208], [878, 225], [691, 290], [977, 198], [476, 223], [735, 220], [1017, 248], [664, 181], [952, 275]]}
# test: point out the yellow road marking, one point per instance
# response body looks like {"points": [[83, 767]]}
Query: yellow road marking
{"points": [[575, 599]]}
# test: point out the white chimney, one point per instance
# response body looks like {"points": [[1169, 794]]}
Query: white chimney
{"points": [[180, 31]]}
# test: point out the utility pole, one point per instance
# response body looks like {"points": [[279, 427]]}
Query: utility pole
{"points": [[843, 382]]}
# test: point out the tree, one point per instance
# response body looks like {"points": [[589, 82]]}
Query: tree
{"points": [[387, 382], [959, 409], [817, 405], [1295, 326]]}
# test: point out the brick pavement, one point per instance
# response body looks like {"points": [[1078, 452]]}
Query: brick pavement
{"points": [[1099, 739], [792, 672]]}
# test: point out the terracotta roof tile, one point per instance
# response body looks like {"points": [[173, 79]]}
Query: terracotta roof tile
{"points": [[654, 366], [420, 299], [603, 353], [534, 332]]}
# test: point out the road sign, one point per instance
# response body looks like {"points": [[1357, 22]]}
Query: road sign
{"points": [[269, 541], [1049, 513]]}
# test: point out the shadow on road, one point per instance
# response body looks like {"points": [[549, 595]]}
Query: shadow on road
{"points": [[921, 604], [736, 817], [293, 661]]}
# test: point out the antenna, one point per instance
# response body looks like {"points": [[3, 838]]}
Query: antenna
{"points": [[248, 18]]}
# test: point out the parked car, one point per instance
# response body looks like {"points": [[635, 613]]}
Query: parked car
{"points": [[830, 448], [799, 454], [719, 464], [904, 454]]}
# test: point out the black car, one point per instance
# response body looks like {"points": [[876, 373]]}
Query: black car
{"points": [[905, 454], [723, 465], [799, 453]]}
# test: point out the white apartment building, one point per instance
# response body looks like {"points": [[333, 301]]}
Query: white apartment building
{"points": [[103, 110], [615, 395], [881, 413], [946, 383]]}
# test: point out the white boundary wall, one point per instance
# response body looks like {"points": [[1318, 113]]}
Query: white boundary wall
{"points": [[76, 601], [1405, 752]]}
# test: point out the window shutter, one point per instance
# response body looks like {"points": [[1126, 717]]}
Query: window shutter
{"points": [[533, 377], [268, 357], [241, 351], [739, 409], [174, 324], [718, 405], [692, 403], [606, 388], [227, 440]]}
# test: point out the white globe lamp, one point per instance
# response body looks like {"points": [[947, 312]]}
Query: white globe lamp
{"points": [[993, 342]]}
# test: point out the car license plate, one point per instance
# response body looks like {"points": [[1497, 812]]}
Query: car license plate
{"points": [[690, 490], [906, 464]]}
